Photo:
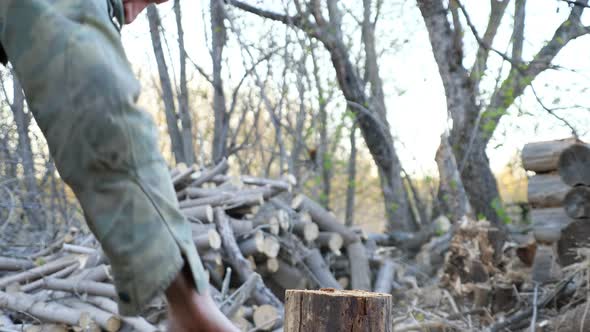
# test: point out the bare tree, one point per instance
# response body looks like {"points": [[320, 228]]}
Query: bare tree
{"points": [[474, 123], [165, 85], [369, 110], [183, 96]]}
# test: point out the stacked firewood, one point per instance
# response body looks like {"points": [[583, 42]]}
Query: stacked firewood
{"points": [[559, 195], [256, 237]]}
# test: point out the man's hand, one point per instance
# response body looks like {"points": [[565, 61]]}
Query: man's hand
{"points": [[134, 7]]}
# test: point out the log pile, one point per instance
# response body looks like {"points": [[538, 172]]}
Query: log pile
{"points": [[559, 195], [256, 237]]}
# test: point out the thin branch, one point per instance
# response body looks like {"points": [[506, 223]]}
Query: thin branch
{"points": [[552, 112], [480, 41]]}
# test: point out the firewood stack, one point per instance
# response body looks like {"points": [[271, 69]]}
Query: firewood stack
{"points": [[255, 236], [559, 195]]}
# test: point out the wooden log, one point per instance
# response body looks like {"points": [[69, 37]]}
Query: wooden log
{"points": [[253, 245], [385, 277], [183, 175], [203, 213], [574, 165], [231, 305], [288, 277], [271, 224], [210, 240], [45, 311], [37, 272], [330, 240], [272, 265], [284, 185], [59, 274], [108, 321], [241, 226], [213, 201], [546, 190], [548, 223], [577, 203], [330, 310], [309, 231], [543, 157], [360, 271], [545, 267], [271, 247], [265, 317], [82, 286], [239, 264], [139, 323], [319, 268], [325, 220], [75, 249], [15, 264], [98, 273], [210, 173], [573, 237]]}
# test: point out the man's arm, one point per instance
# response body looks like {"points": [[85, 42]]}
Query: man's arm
{"points": [[134, 7]]}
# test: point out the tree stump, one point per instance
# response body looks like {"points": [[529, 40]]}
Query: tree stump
{"points": [[329, 310]]}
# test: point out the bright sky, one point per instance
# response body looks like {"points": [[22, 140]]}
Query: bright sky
{"points": [[418, 115]]}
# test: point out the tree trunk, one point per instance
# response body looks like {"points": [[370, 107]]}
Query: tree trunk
{"points": [[218, 39], [453, 193], [166, 85], [546, 190], [543, 157], [351, 183], [183, 103], [373, 125], [25, 152], [324, 159], [329, 310]]}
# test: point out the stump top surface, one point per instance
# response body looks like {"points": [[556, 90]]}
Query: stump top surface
{"points": [[339, 293]]}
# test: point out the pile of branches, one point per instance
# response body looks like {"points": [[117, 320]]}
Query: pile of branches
{"points": [[255, 236]]}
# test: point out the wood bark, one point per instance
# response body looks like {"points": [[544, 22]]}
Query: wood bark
{"points": [[577, 203], [309, 231], [543, 157], [218, 39], [573, 237], [82, 286], [139, 323], [165, 84], [360, 271], [253, 245], [108, 321], [240, 296], [548, 223], [330, 240], [210, 240], [183, 96], [202, 213], [289, 277], [316, 263], [546, 190], [385, 277], [332, 310], [59, 274], [36, 273], [14, 264], [47, 311], [351, 183], [451, 188], [372, 121], [574, 165], [326, 221], [239, 264]]}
